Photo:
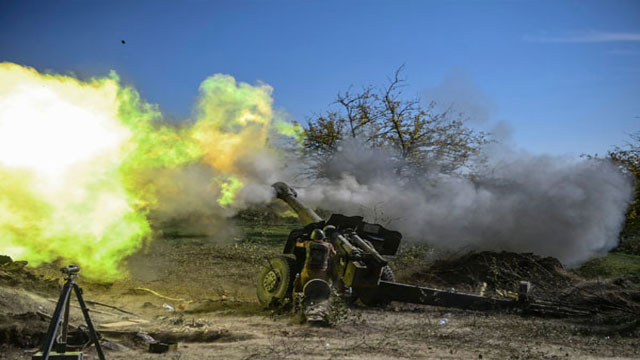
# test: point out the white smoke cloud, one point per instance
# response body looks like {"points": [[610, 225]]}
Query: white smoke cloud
{"points": [[462, 94], [551, 206]]}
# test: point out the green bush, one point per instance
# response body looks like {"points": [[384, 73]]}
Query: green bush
{"points": [[613, 265], [629, 243]]}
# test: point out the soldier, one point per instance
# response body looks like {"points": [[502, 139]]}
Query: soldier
{"points": [[318, 252]]}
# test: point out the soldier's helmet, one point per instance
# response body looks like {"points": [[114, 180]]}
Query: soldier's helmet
{"points": [[317, 235], [328, 230]]}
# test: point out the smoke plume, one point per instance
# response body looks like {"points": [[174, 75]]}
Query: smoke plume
{"points": [[549, 205]]}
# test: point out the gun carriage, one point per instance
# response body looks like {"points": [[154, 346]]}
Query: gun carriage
{"points": [[361, 269]]}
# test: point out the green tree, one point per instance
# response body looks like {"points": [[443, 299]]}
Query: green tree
{"points": [[418, 137], [628, 157]]}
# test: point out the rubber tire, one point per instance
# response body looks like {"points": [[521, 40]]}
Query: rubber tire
{"points": [[284, 267], [371, 296]]}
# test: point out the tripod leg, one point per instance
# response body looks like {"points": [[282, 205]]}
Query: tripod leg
{"points": [[55, 320], [87, 318], [65, 328]]}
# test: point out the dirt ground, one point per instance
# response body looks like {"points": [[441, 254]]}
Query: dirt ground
{"points": [[216, 316]]}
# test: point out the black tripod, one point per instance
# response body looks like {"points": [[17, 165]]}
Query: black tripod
{"points": [[63, 308]]}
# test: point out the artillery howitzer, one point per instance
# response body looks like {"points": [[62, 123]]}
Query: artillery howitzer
{"points": [[361, 269]]}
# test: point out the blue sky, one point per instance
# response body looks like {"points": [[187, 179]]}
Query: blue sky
{"points": [[564, 75]]}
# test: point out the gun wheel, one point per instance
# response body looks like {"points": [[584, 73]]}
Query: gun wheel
{"points": [[275, 282], [372, 296]]}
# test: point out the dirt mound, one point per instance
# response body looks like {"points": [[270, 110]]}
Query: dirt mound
{"points": [[614, 303], [16, 274], [25, 330], [499, 271]]}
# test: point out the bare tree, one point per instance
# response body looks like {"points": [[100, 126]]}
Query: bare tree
{"points": [[418, 137]]}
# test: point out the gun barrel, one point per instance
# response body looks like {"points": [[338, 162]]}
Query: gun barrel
{"points": [[343, 243], [285, 193], [368, 249]]}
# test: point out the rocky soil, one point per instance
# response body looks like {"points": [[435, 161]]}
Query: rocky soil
{"points": [[201, 295]]}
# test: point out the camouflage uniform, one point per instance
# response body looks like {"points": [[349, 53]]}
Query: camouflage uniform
{"points": [[318, 252]]}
